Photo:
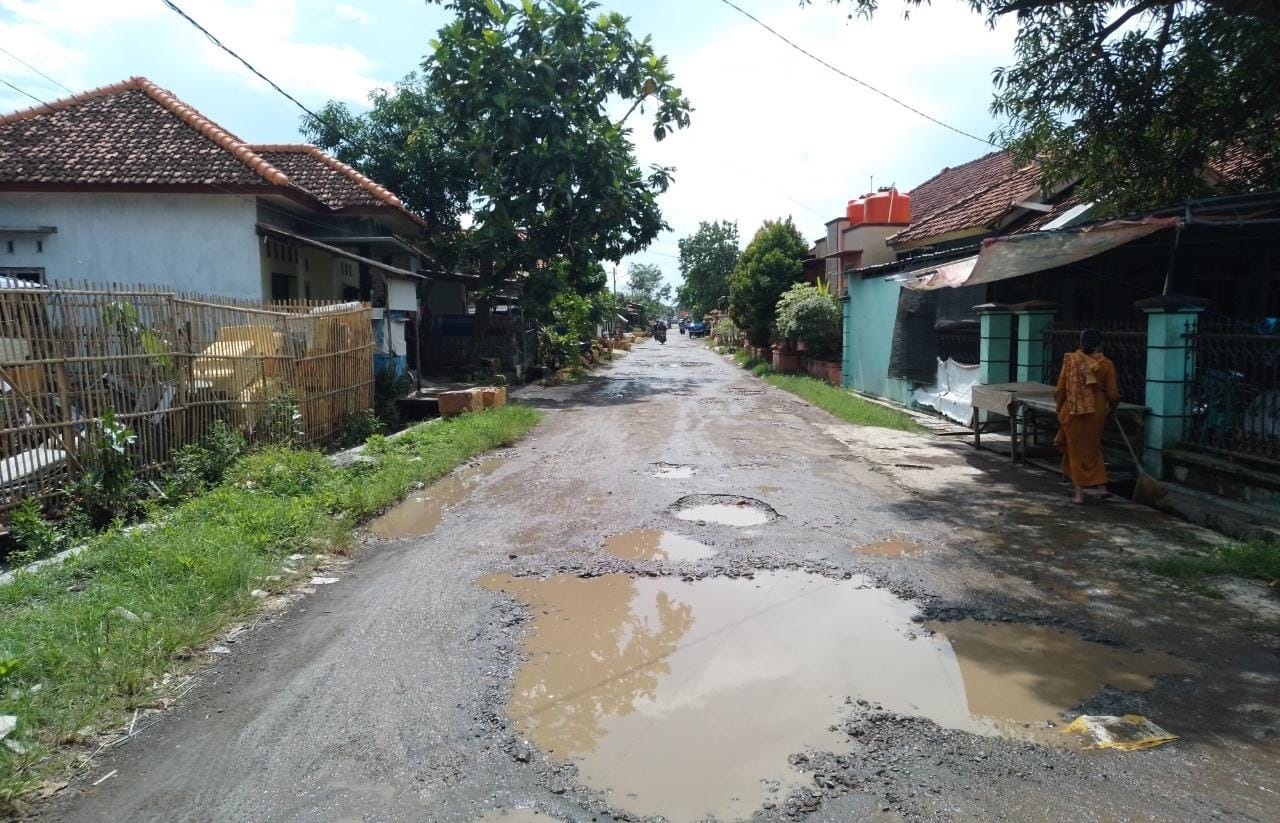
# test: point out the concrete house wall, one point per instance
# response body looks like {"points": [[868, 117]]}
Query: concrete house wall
{"points": [[202, 243], [870, 310]]}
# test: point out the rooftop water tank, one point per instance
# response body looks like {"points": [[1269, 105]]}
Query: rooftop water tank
{"points": [[856, 211], [888, 207]]}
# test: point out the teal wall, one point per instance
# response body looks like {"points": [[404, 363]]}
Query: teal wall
{"points": [[869, 315]]}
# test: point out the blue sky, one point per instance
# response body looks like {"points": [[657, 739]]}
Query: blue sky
{"points": [[773, 133]]}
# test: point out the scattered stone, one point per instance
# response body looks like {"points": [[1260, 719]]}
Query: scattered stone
{"points": [[15, 747], [258, 593], [8, 723], [124, 614], [219, 650], [323, 581]]}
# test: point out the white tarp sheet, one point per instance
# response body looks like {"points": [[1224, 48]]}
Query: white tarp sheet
{"points": [[952, 391]]}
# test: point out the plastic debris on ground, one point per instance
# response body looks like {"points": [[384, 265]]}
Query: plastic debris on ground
{"points": [[1129, 733]]}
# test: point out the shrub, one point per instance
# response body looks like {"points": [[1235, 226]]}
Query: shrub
{"points": [[200, 465], [768, 266], [33, 536], [358, 428], [810, 314], [109, 490], [760, 369]]}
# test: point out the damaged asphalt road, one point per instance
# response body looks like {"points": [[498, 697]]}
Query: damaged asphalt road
{"points": [[689, 594]]}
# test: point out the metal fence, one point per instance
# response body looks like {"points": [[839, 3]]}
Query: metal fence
{"points": [[1234, 395], [168, 366], [1125, 343], [963, 344]]}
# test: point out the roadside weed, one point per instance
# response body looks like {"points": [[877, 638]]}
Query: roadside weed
{"points": [[841, 403]]}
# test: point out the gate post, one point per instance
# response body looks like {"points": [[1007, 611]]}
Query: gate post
{"points": [[846, 336], [996, 352], [1169, 371], [1034, 317]]}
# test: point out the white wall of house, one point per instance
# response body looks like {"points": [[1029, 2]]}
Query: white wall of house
{"points": [[202, 243]]}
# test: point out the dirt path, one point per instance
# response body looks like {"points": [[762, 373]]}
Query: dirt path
{"points": [[701, 668]]}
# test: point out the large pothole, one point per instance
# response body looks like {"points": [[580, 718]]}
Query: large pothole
{"points": [[685, 698], [725, 509]]}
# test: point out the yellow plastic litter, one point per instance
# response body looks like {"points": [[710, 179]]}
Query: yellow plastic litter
{"points": [[1129, 733]]}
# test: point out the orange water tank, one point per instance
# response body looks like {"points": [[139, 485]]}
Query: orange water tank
{"points": [[856, 212], [888, 207]]}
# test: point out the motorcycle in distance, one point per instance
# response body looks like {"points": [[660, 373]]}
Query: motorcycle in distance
{"points": [[660, 332], [684, 325]]}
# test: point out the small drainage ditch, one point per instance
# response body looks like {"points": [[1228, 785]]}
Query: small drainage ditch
{"points": [[685, 698], [724, 509]]}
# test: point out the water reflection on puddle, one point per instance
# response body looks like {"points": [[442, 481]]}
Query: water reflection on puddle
{"points": [[727, 514], [653, 544], [668, 471], [680, 698], [420, 513], [892, 547]]}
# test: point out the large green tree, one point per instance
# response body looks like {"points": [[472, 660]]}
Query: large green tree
{"points": [[1145, 101], [646, 288], [529, 94], [770, 264], [707, 258], [400, 143]]}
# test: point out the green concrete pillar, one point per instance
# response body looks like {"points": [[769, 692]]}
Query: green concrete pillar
{"points": [[1169, 370], [846, 348], [996, 355], [1033, 318]]}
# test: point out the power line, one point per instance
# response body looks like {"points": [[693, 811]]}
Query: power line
{"points": [[848, 76], [24, 92], [36, 70], [215, 41]]}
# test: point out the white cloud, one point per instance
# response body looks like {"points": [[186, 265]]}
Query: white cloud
{"points": [[775, 133], [352, 13], [59, 36]]}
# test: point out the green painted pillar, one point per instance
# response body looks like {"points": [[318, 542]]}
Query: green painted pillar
{"points": [[846, 349], [1033, 318], [996, 354], [1169, 370]]}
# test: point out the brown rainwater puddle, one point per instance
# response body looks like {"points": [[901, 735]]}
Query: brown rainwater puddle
{"points": [[726, 514], [653, 544], [680, 698], [420, 513], [893, 547]]}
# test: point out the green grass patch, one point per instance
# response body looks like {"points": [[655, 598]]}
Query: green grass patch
{"points": [[1253, 559], [848, 407], [761, 369], [83, 642]]}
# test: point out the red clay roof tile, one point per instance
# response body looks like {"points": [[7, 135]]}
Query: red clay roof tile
{"points": [[972, 196], [328, 179]]}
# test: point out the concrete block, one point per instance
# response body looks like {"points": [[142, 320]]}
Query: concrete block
{"points": [[454, 403]]}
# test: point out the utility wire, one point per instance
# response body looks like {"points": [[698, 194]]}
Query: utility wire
{"points": [[215, 41], [18, 59], [848, 76], [26, 93]]}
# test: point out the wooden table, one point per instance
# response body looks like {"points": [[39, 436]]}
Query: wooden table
{"points": [[1000, 398], [1026, 415]]}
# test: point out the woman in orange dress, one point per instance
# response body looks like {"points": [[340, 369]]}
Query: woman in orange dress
{"points": [[1086, 396]]}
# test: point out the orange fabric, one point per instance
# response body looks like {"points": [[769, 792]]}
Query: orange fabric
{"points": [[1086, 393]]}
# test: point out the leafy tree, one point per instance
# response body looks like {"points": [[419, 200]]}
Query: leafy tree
{"points": [[1147, 101], [707, 259], [769, 265], [812, 314], [400, 143], [525, 93], [647, 288]]}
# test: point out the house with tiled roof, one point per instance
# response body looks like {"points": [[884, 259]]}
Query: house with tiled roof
{"points": [[129, 184]]}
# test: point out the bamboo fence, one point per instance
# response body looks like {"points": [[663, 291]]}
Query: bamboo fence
{"points": [[168, 365]]}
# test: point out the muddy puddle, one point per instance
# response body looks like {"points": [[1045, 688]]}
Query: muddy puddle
{"points": [[654, 544], [892, 547], [684, 699], [420, 513], [724, 509]]}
